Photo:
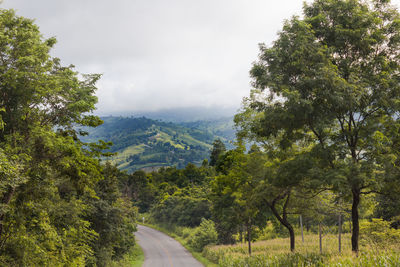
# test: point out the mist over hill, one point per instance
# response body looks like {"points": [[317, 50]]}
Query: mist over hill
{"points": [[144, 143], [180, 114]]}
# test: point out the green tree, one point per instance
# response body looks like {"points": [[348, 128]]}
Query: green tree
{"points": [[112, 217], [193, 174], [203, 235], [225, 209], [288, 185], [137, 188], [217, 150], [334, 74], [185, 207], [49, 178], [234, 194]]}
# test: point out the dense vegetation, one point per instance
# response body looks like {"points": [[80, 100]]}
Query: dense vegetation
{"points": [[318, 147], [142, 143], [317, 153], [58, 205]]}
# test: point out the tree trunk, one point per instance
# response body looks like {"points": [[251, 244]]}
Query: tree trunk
{"points": [[307, 223], [291, 234], [288, 226], [249, 235], [354, 218], [301, 227], [283, 219]]}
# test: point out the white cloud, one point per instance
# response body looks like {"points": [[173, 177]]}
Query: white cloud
{"points": [[158, 54]]}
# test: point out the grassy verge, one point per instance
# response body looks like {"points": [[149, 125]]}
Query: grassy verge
{"points": [[275, 252], [198, 256], [138, 257], [134, 258]]}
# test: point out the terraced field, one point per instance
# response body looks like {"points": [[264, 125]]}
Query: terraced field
{"points": [[142, 143]]}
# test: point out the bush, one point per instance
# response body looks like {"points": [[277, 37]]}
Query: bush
{"points": [[378, 234], [203, 235], [181, 210], [268, 232]]}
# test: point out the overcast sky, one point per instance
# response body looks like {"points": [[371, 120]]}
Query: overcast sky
{"points": [[158, 54]]}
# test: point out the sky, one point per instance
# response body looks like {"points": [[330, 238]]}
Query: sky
{"points": [[161, 54]]}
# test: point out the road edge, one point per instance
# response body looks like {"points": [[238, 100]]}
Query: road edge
{"points": [[198, 256]]}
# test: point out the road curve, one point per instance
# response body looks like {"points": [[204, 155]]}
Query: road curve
{"points": [[161, 250]]}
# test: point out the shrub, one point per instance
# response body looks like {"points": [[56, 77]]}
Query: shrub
{"points": [[268, 232], [203, 235], [378, 234]]}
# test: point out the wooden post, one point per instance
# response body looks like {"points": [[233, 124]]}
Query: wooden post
{"points": [[249, 235], [340, 232], [301, 227], [241, 233], [320, 238]]}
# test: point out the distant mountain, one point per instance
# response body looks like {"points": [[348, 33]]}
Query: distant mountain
{"points": [[143, 143], [222, 128], [183, 114]]}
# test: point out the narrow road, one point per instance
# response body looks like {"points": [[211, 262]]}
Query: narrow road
{"points": [[161, 250]]}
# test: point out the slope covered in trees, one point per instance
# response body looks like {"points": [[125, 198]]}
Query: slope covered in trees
{"points": [[322, 121], [142, 143]]}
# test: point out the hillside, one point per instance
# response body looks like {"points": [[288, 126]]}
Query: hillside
{"points": [[142, 143]]}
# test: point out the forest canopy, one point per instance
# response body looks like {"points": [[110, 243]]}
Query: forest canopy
{"points": [[52, 187]]}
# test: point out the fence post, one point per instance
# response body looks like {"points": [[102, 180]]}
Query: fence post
{"points": [[340, 232], [301, 227], [320, 238]]}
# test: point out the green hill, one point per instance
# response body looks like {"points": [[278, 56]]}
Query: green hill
{"points": [[142, 143]]}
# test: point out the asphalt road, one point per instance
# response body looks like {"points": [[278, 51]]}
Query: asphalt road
{"points": [[161, 250]]}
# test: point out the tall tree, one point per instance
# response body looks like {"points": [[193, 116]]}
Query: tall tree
{"points": [[334, 74], [234, 196], [48, 177], [217, 150]]}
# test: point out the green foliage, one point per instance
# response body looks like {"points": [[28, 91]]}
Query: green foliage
{"points": [[223, 128], [182, 208], [217, 151], [225, 208], [137, 188], [52, 186], [113, 218], [236, 201], [143, 143], [268, 232], [378, 234], [331, 78], [189, 176], [205, 234], [388, 204]]}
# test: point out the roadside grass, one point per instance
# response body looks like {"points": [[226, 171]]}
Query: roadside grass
{"points": [[376, 249], [137, 256], [134, 258], [275, 252], [172, 232]]}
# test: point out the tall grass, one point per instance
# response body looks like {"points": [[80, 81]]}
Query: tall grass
{"points": [[275, 252]]}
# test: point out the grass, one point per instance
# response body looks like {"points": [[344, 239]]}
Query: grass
{"points": [[138, 257], [134, 149], [275, 252], [134, 258], [198, 256]]}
